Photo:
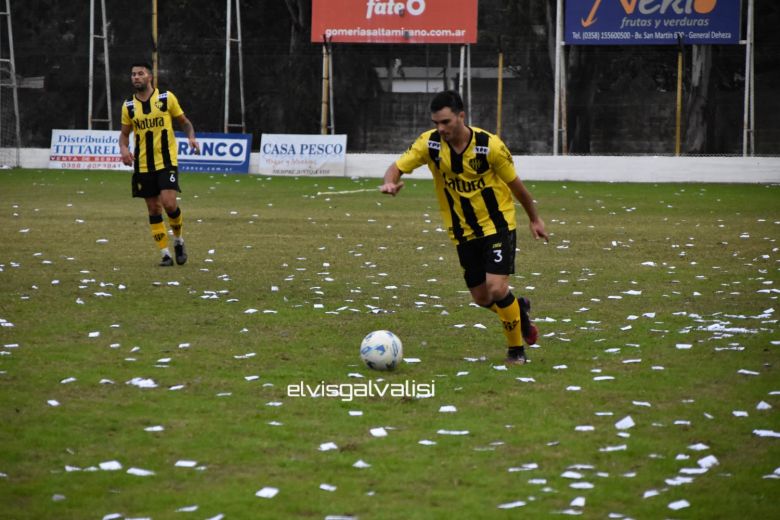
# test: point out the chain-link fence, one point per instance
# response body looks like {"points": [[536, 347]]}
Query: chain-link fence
{"points": [[620, 100]]}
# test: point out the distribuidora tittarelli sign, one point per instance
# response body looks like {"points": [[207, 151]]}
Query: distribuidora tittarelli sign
{"points": [[651, 22], [295, 154], [99, 150]]}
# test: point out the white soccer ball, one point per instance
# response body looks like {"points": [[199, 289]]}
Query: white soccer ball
{"points": [[381, 350]]}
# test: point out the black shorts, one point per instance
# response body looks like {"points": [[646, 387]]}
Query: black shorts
{"points": [[147, 185], [494, 254]]}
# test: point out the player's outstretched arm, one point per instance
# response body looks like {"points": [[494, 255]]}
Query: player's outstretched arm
{"points": [[536, 223], [392, 181]]}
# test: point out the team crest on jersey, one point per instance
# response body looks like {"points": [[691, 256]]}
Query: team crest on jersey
{"points": [[158, 104], [478, 164]]}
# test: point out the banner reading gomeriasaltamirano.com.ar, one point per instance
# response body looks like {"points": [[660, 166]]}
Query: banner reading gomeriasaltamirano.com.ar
{"points": [[651, 22], [99, 150]]}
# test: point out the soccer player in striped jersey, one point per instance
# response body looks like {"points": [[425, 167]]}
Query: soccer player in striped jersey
{"points": [[149, 114], [475, 179]]}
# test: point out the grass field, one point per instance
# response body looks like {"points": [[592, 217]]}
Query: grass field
{"points": [[656, 303]]}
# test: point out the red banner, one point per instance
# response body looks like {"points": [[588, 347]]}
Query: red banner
{"points": [[394, 21]]}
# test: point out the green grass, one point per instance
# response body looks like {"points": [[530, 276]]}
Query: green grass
{"points": [[332, 268]]}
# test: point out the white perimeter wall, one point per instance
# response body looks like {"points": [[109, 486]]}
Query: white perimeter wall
{"points": [[563, 168]]}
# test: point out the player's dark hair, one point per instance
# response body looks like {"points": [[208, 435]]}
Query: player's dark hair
{"points": [[447, 99], [144, 64]]}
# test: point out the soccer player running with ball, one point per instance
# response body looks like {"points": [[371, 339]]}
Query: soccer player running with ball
{"points": [[475, 178], [149, 114]]}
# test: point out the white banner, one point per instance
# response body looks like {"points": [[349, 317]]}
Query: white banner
{"points": [[291, 154], [85, 149], [99, 150]]}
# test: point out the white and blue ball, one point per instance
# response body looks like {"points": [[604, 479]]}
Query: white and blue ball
{"points": [[381, 350]]}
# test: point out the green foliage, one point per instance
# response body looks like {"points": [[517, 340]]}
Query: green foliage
{"points": [[322, 270]]}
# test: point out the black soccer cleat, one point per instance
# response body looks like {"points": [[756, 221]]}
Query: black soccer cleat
{"points": [[166, 261], [530, 332], [516, 356], [181, 253]]}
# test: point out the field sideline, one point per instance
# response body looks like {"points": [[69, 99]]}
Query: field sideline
{"points": [[133, 391]]}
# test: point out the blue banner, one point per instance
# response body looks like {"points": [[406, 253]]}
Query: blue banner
{"points": [[223, 153], [651, 22]]}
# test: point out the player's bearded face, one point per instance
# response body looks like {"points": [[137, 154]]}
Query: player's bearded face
{"points": [[140, 78], [447, 122]]}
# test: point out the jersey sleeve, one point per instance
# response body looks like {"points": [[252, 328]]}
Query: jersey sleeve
{"points": [[415, 156], [126, 115], [174, 108], [500, 159]]}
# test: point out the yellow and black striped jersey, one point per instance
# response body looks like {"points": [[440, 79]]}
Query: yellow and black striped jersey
{"points": [[152, 122], [474, 198]]}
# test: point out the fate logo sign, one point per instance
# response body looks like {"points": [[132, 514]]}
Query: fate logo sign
{"points": [[649, 7]]}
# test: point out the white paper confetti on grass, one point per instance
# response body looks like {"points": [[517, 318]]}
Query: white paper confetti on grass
{"points": [[453, 432], [186, 463], [763, 405], [578, 502], [361, 464], [607, 449], [53, 402], [625, 423], [378, 432], [745, 372], [581, 485], [767, 433], [447, 408], [141, 382], [426, 442], [707, 462], [139, 472], [154, 429], [679, 504], [512, 505], [683, 346], [328, 446], [267, 492], [187, 509], [111, 465], [328, 487]]}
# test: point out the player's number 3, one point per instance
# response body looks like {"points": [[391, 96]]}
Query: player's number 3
{"points": [[499, 256]]}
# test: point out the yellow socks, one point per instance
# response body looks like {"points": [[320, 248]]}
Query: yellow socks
{"points": [[175, 221], [508, 310], [159, 234]]}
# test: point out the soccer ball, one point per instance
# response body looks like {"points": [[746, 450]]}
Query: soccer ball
{"points": [[381, 350]]}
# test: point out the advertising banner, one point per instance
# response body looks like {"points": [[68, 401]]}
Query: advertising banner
{"points": [[394, 21], [291, 154], [651, 22], [99, 150], [85, 150], [223, 153]]}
